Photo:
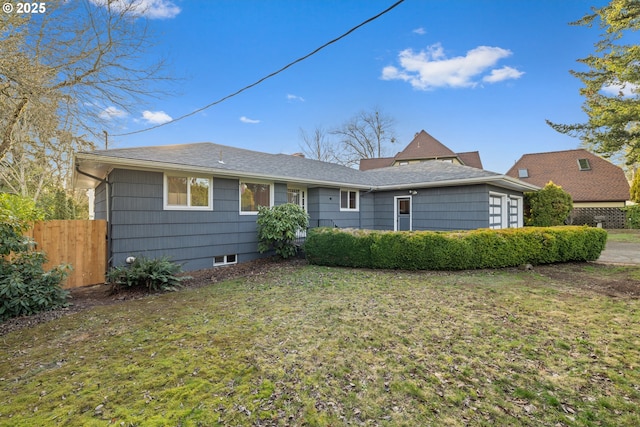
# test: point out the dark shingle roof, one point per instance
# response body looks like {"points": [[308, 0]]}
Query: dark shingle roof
{"points": [[603, 182], [223, 160]]}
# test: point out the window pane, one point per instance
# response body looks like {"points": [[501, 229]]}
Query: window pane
{"points": [[177, 191], [352, 199], [344, 199], [254, 195], [199, 192]]}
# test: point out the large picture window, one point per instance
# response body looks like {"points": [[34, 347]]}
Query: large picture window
{"points": [[349, 200], [254, 195], [187, 192]]}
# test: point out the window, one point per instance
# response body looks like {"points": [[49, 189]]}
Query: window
{"points": [[349, 200], [584, 165], [187, 192], [225, 260], [523, 173], [515, 212], [254, 195], [495, 211]]}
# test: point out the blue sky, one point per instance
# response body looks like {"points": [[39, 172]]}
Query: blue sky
{"points": [[475, 74]]}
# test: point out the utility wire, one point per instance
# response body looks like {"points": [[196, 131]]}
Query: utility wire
{"points": [[373, 18]]}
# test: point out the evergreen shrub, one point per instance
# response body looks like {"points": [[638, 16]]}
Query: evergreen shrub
{"points": [[431, 250]]}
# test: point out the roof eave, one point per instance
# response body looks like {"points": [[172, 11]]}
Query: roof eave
{"points": [[152, 165]]}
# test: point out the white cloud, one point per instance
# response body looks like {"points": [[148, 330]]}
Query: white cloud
{"points": [[244, 119], [291, 97], [111, 113], [504, 73], [152, 9], [421, 31], [156, 117], [431, 68], [621, 89]]}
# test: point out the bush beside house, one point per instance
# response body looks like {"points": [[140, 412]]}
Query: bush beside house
{"points": [[25, 286], [428, 250]]}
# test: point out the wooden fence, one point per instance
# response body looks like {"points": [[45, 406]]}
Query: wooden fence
{"points": [[80, 243]]}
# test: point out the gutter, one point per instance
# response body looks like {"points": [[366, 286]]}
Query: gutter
{"points": [[109, 203]]}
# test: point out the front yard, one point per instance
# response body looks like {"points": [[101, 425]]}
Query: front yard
{"points": [[306, 345]]}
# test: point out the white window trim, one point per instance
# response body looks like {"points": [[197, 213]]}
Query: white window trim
{"points": [[504, 215], [165, 193], [225, 262], [520, 202], [254, 181], [357, 208], [304, 196]]}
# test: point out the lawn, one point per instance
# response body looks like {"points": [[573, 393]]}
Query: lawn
{"points": [[624, 236], [307, 345]]}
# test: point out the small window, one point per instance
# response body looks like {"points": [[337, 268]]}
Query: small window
{"points": [[225, 260], [187, 192], [254, 195], [349, 200], [523, 173], [584, 164]]}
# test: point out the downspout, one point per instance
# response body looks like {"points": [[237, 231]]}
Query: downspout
{"points": [[108, 210]]}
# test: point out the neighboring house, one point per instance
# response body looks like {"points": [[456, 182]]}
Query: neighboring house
{"points": [[599, 188], [423, 148], [197, 203]]}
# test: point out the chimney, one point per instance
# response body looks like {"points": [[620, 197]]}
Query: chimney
{"points": [[298, 155]]}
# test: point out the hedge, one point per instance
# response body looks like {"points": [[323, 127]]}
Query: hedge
{"points": [[464, 250]]}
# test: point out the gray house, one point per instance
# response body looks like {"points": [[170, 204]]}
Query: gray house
{"points": [[197, 203]]}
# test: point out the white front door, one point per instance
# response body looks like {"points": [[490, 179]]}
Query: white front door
{"points": [[402, 214], [298, 196]]}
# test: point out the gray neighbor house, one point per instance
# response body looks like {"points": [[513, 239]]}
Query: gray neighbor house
{"points": [[197, 203]]}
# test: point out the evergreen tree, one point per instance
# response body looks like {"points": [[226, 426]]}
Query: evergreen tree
{"points": [[612, 84]]}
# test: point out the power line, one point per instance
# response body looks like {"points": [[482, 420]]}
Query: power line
{"points": [[373, 18]]}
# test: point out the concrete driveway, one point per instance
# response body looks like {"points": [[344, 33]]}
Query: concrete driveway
{"points": [[620, 253]]}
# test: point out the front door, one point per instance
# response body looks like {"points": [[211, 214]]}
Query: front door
{"points": [[298, 196], [402, 213]]}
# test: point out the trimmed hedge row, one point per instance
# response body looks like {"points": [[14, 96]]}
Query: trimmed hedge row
{"points": [[465, 250]]}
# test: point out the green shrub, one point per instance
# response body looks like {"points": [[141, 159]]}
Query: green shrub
{"points": [[277, 228], [154, 274], [633, 216], [547, 207], [429, 250], [26, 287]]}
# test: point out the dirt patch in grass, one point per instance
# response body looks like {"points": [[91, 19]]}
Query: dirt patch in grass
{"points": [[600, 278]]}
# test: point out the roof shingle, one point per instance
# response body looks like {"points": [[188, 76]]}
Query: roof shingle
{"points": [[603, 182]]}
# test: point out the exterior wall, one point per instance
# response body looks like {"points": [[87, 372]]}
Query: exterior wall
{"points": [[446, 208], [100, 202], [140, 226], [620, 204], [324, 209]]}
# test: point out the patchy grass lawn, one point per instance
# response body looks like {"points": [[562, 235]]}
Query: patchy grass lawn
{"points": [[326, 346], [624, 236]]}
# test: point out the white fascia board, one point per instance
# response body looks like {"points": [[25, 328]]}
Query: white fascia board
{"points": [[498, 180]]}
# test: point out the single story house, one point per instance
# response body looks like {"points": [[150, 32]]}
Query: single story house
{"points": [[197, 203], [598, 187]]}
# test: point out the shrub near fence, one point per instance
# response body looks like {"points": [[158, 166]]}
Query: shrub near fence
{"points": [[430, 250]]}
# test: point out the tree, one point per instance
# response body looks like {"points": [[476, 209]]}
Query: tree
{"points": [[635, 187], [317, 146], [364, 136], [548, 207], [611, 85], [61, 70]]}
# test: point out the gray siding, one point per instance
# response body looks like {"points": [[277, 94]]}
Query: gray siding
{"points": [[446, 208], [140, 226], [100, 202]]}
